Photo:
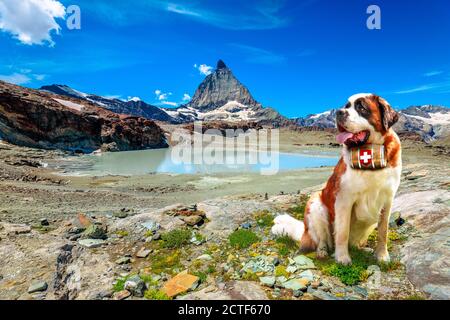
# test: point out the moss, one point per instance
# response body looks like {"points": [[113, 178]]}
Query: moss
{"points": [[148, 279], [175, 238], [154, 294], [286, 245], [352, 274], [298, 211], [264, 218], [281, 271], [242, 239], [165, 262], [122, 233], [250, 276], [211, 269], [390, 266], [415, 297]]}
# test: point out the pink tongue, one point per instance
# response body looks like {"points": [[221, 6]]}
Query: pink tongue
{"points": [[343, 136]]}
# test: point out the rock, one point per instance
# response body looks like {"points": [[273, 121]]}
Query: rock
{"points": [[307, 275], [123, 260], [197, 239], [373, 269], [40, 119], [280, 280], [259, 264], [91, 243], [135, 285], [38, 286], [120, 214], [291, 268], [304, 262], [151, 226], [267, 281], [121, 295], [297, 293], [95, 231], [143, 252], [296, 284], [393, 219], [206, 257], [315, 284], [246, 225], [18, 229], [181, 283], [44, 222], [417, 174], [322, 295], [234, 290], [192, 220]]}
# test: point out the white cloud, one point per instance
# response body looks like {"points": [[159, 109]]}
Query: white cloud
{"points": [[40, 77], [161, 96], [169, 103], [16, 78], [433, 73], [186, 97], [31, 21], [204, 69]]}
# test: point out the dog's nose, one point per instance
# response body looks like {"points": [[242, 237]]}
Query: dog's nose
{"points": [[340, 113]]}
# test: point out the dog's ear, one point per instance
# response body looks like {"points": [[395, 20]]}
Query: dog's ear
{"points": [[389, 116]]}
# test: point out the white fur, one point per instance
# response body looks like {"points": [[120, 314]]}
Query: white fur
{"points": [[287, 225]]}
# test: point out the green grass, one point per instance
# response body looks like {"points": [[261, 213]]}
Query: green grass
{"points": [[349, 275], [175, 238], [286, 245], [165, 262], [242, 239], [264, 219], [120, 283], [415, 297], [122, 233], [154, 294], [201, 275]]}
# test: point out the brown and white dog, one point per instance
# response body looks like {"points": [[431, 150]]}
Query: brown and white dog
{"points": [[353, 202]]}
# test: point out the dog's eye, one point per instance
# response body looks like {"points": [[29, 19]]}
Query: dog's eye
{"points": [[361, 107]]}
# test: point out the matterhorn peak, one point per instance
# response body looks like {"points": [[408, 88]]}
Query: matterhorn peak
{"points": [[221, 65]]}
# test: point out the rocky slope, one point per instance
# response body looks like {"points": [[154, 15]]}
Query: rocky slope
{"points": [[40, 119], [134, 107], [429, 122], [221, 96]]}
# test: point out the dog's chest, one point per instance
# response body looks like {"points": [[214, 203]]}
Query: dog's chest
{"points": [[370, 190]]}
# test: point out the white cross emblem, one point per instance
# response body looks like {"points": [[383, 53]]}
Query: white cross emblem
{"points": [[366, 157]]}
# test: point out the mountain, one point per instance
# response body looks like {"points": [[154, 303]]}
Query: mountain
{"points": [[430, 122], [40, 119], [134, 107], [221, 96]]}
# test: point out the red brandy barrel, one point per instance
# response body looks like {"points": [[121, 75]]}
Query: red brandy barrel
{"points": [[368, 157]]}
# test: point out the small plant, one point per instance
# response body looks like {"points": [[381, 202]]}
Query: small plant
{"points": [[210, 269], [243, 238], [285, 245], [280, 271], [201, 275], [165, 262], [175, 238], [250, 276], [264, 218], [298, 211], [352, 274], [122, 233], [120, 283], [153, 294], [415, 297]]}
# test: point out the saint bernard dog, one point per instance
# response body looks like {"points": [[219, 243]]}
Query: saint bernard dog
{"points": [[353, 202]]}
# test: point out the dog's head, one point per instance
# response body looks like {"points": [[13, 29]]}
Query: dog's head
{"points": [[366, 118]]}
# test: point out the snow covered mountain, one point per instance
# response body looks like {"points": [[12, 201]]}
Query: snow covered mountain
{"points": [[133, 107], [430, 122], [221, 96]]}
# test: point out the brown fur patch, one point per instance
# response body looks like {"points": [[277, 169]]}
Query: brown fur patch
{"points": [[393, 149], [329, 193], [307, 244], [375, 117]]}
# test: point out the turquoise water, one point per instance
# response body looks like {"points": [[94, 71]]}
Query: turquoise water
{"points": [[163, 161]]}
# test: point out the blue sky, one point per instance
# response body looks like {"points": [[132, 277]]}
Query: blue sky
{"points": [[299, 56]]}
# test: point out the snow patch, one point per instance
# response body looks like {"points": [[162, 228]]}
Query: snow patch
{"points": [[70, 104]]}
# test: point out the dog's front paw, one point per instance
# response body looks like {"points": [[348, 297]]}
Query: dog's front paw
{"points": [[344, 260], [321, 253], [383, 257]]}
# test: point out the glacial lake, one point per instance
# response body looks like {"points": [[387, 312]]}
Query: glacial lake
{"points": [[163, 161]]}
